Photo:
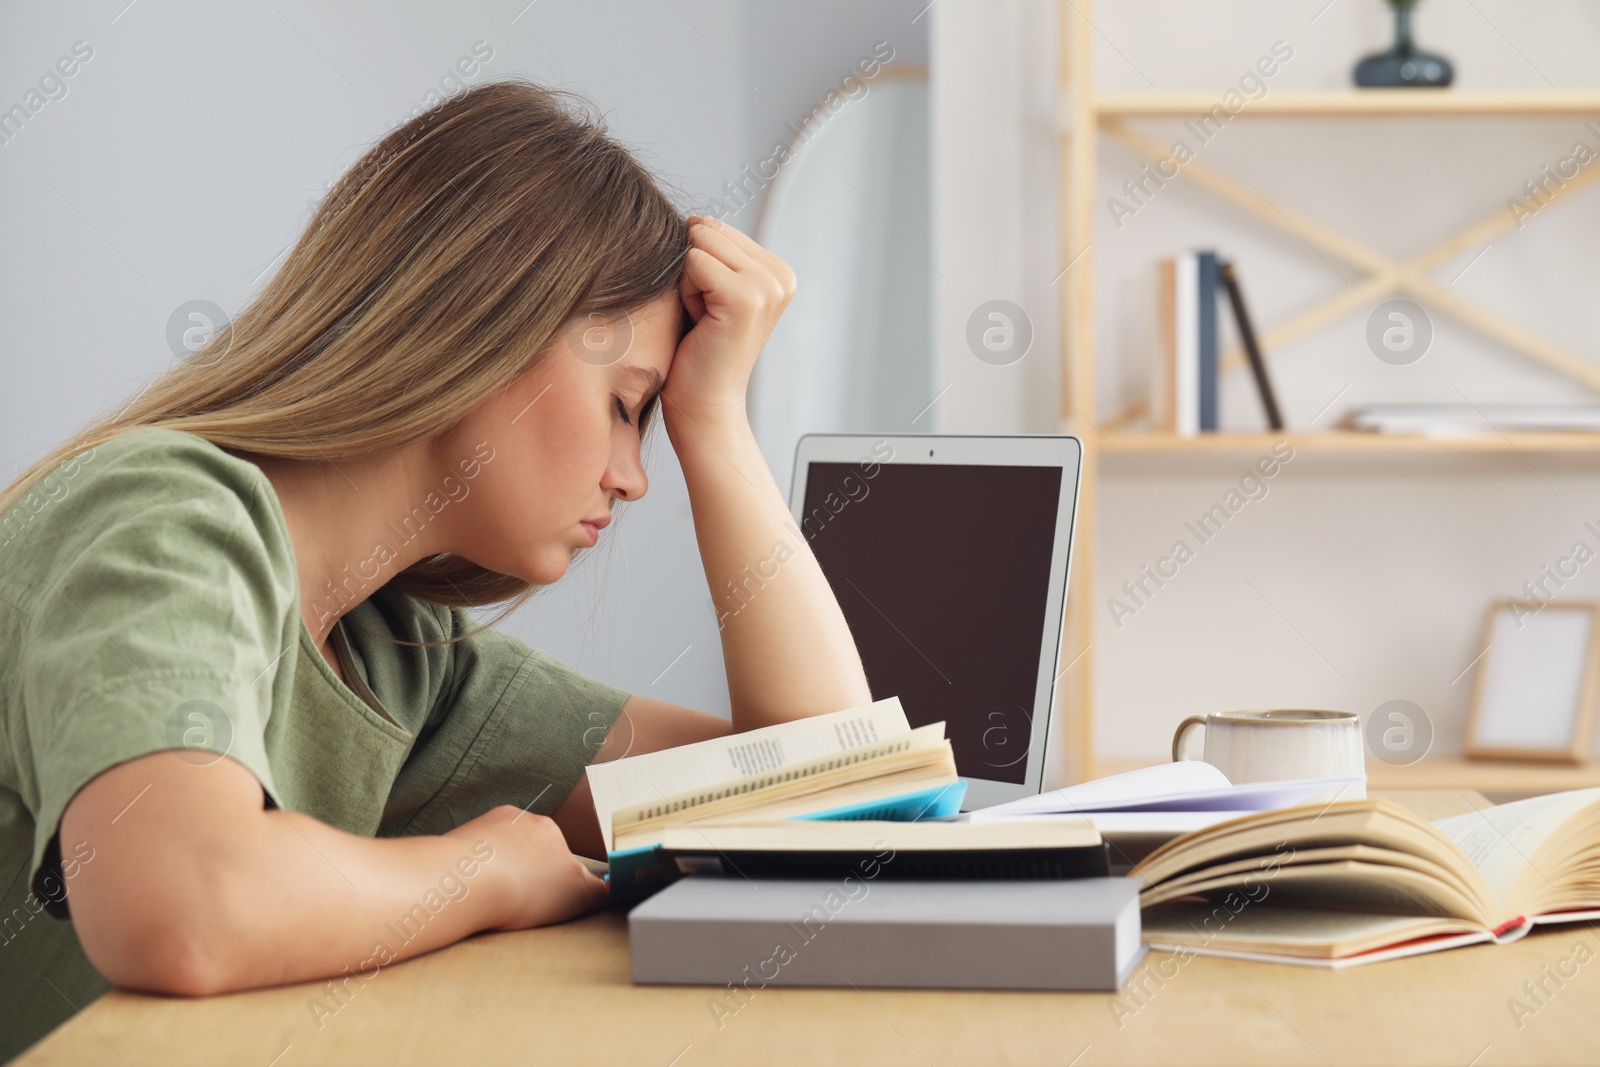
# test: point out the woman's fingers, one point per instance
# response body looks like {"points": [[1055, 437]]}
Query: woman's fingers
{"points": [[704, 272], [737, 237], [724, 248], [705, 265], [767, 280]]}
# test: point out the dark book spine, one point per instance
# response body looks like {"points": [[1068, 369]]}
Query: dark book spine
{"points": [[1088, 861], [1247, 337], [1207, 317]]}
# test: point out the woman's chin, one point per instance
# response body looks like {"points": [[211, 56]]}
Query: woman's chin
{"points": [[549, 568]]}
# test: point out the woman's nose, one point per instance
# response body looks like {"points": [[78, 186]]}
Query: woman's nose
{"points": [[626, 475]]}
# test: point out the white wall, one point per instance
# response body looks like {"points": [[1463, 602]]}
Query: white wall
{"points": [[189, 148], [995, 223]]}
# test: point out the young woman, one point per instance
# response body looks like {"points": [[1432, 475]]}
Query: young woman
{"points": [[252, 735]]}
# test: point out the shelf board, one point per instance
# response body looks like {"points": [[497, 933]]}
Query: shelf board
{"points": [[1360, 102], [1494, 778], [1347, 442]]}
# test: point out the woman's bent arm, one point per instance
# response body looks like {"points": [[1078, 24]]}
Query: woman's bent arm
{"points": [[788, 649], [195, 889]]}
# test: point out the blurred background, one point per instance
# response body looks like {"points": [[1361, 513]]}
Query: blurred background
{"points": [[925, 177]]}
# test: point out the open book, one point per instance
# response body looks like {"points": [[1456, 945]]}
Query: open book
{"points": [[1139, 811], [1358, 881], [861, 763]]}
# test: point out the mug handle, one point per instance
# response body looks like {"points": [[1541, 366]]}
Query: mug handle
{"points": [[1177, 737]]}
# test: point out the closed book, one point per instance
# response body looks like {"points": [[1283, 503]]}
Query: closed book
{"points": [[1163, 375], [1063, 847], [635, 873], [1186, 353], [1229, 280], [1080, 934], [1446, 419], [1206, 343]]}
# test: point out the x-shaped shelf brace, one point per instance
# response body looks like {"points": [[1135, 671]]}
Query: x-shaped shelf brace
{"points": [[1386, 275]]}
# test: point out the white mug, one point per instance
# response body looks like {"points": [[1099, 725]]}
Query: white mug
{"points": [[1281, 744]]}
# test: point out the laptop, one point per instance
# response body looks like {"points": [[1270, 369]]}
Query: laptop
{"points": [[949, 558]]}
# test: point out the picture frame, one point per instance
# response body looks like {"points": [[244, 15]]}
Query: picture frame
{"points": [[1537, 683]]}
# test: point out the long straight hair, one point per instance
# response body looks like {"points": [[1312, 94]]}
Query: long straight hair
{"points": [[440, 267]]}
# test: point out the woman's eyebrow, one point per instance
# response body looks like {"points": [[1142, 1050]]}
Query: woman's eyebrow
{"points": [[651, 376]]}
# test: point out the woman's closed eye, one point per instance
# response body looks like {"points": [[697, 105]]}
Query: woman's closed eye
{"points": [[645, 410]]}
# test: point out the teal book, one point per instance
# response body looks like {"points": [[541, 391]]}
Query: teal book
{"points": [[636, 873]]}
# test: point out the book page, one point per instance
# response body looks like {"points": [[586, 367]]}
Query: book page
{"points": [[1501, 841], [1184, 785], [1338, 885], [1289, 932], [1114, 791], [650, 776]]}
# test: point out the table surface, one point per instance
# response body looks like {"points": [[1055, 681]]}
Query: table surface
{"points": [[562, 994]]}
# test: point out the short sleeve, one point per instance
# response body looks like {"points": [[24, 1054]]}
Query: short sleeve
{"points": [[515, 726], [156, 607]]}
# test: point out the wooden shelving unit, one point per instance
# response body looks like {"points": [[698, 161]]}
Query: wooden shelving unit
{"points": [[1085, 116]]}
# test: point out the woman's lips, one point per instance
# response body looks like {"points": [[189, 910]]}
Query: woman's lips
{"points": [[592, 531]]}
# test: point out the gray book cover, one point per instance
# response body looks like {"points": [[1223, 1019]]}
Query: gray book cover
{"points": [[1059, 934]]}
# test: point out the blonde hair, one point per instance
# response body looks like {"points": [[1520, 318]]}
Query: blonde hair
{"points": [[435, 271]]}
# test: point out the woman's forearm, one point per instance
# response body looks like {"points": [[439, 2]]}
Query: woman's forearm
{"points": [[312, 901], [193, 888], [788, 649]]}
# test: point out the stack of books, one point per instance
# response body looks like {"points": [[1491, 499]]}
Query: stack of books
{"points": [[1465, 420], [1183, 384], [836, 838]]}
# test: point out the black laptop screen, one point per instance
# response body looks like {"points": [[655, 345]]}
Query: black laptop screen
{"points": [[942, 572]]}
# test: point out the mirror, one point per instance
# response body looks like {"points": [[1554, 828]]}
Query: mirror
{"points": [[850, 213]]}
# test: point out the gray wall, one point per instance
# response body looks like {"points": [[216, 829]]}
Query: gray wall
{"points": [[188, 150]]}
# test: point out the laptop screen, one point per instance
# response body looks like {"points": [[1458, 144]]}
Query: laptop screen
{"points": [[942, 572]]}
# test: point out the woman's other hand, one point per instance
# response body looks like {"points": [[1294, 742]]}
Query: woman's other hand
{"points": [[734, 291], [538, 879]]}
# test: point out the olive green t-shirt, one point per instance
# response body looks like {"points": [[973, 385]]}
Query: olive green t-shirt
{"points": [[149, 601]]}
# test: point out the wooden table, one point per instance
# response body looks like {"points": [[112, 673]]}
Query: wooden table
{"points": [[562, 995]]}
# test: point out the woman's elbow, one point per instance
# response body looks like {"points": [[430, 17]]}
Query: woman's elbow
{"points": [[173, 957]]}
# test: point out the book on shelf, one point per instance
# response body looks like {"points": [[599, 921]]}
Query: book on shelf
{"points": [[1252, 348], [860, 763], [1161, 407], [1355, 882], [1174, 402], [1205, 272], [1455, 420], [1183, 395]]}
